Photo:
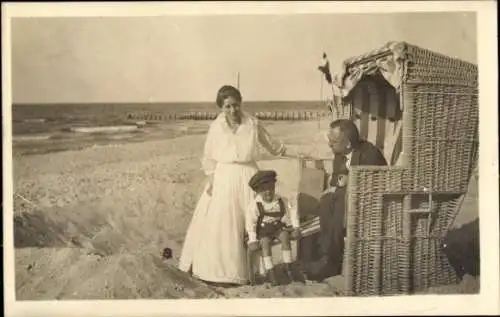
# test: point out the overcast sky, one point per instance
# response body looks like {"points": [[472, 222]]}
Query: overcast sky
{"points": [[182, 58]]}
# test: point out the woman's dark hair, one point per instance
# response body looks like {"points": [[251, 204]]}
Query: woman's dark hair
{"points": [[227, 91], [349, 128]]}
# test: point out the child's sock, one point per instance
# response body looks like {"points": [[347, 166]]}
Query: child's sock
{"points": [[287, 256], [268, 263]]}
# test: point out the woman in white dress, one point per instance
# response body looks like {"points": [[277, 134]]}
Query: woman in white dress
{"points": [[214, 249]]}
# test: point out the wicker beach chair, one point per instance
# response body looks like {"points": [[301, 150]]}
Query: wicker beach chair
{"points": [[421, 109]]}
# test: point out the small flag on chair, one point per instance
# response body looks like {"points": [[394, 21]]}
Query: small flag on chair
{"points": [[325, 68]]}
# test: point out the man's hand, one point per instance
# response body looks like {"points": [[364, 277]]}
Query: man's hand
{"points": [[295, 234], [253, 246]]}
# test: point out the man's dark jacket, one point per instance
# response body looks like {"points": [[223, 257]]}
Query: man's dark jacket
{"points": [[365, 154]]}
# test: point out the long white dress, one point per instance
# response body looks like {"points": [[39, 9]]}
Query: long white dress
{"points": [[214, 247]]}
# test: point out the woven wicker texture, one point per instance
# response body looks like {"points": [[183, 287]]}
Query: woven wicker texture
{"points": [[374, 232], [394, 234], [441, 138], [381, 258], [427, 67]]}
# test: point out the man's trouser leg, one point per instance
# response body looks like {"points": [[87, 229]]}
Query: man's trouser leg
{"points": [[332, 232]]}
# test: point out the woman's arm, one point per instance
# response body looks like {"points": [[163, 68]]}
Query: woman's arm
{"points": [[207, 161], [273, 146], [251, 215]]}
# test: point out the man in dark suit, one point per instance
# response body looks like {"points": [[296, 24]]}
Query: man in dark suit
{"points": [[349, 150]]}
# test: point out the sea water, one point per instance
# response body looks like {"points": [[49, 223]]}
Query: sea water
{"points": [[44, 128]]}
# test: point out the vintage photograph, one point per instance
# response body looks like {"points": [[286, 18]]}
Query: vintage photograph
{"points": [[246, 156]]}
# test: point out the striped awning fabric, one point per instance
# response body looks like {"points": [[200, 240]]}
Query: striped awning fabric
{"points": [[374, 104], [378, 115]]}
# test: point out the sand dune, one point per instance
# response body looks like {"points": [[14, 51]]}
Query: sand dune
{"points": [[92, 223]]}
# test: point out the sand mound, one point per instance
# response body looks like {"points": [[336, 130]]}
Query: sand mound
{"points": [[72, 273], [33, 229]]}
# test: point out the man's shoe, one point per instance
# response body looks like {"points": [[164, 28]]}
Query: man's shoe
{"points": [[293, 274], [313, 277], [322, 269], [318, 267], [271, 277]]}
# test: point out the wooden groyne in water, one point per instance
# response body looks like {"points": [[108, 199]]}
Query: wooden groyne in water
{"points": [[204, 115]]}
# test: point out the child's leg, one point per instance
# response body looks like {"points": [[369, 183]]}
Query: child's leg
{"points": [[265, 243], [286, 247]]}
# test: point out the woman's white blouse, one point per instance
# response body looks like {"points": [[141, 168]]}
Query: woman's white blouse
{"points": [[225, 146]]}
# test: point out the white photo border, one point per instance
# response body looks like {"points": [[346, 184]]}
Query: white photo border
{"points": [[487, 302]]}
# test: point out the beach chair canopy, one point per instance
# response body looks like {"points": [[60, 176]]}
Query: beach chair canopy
{"points": [[441, 125], [392, 60]]}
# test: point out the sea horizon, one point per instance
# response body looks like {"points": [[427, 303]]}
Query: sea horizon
{"points": [[49, 127], [104, 111]]}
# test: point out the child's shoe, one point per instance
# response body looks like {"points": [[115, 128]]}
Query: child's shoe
{"points": [[271, 277]]}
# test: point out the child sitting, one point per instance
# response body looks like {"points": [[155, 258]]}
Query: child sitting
{"points": [[265, 222]]}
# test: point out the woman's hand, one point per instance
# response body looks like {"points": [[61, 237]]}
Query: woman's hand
{"points": [[210, 184], [253, 246], [304, 156], [296, 154]]}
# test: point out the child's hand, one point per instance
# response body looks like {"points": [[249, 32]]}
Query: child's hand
{"points": [[253, 246]]}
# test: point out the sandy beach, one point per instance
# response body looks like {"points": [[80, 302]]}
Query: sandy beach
{"points": [[92, 223]]}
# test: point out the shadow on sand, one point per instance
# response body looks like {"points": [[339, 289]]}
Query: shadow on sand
{"points": [[34, 230], [462, 249]]}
